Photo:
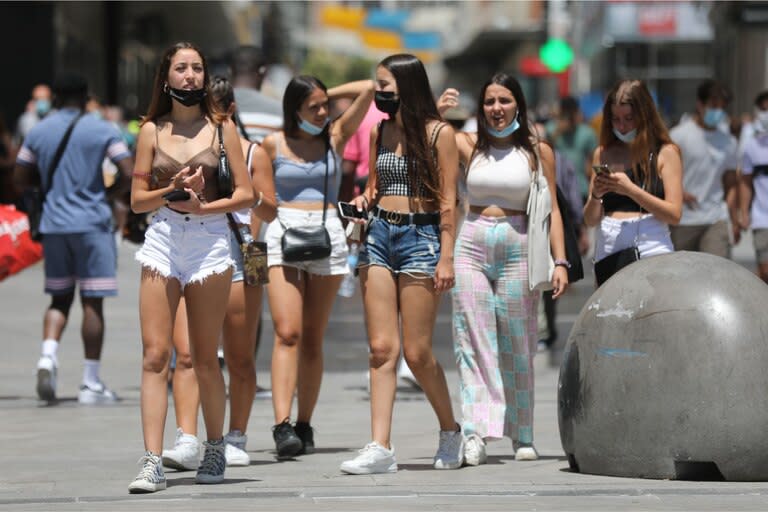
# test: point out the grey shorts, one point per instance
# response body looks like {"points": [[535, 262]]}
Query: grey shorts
{"points": [[89, 259], [760, 242]]}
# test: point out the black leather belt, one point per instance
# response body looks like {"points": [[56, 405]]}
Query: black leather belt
{"points": [[406, 218]]}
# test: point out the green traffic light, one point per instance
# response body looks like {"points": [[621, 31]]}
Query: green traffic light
{"points": [[556, 54]]}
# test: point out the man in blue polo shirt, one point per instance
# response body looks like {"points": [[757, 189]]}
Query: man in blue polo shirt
{"points": [[78, 244]]}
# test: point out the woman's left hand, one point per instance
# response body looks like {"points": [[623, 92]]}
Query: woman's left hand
{"points": [[616, 182], [444, 276], [559, 281], [195, 181], [191, 205]]}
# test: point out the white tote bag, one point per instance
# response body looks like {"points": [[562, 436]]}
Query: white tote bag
{"points": [[541, 266]]}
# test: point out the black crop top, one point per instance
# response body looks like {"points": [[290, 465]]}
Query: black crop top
{"points": [[613, 202]]}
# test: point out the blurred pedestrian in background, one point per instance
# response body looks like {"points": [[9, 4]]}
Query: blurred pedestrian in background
{"points": [[305, 157], [640, 193], [37, 108], [710, 184], [260, 114], [407, 258], [574, 139], [78, 245], [186, 250], [494, 310], [754, 184]]}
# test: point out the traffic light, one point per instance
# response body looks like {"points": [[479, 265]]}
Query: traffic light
{"points": [[556, 54]]}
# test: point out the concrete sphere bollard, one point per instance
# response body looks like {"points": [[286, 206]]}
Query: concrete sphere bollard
{"points": [[665, 373]]}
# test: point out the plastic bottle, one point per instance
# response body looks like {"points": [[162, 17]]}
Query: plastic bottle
{"points": [[349, 284]]}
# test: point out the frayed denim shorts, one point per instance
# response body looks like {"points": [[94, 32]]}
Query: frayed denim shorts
{"points": [[186, 247], [647, 233], [407, 249]]}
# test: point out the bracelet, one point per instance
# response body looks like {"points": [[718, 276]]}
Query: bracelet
{"points": [[600, 199], [258, 202], [562, 263]]}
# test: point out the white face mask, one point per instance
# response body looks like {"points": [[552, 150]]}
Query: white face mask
{"points": [[625, 137]]}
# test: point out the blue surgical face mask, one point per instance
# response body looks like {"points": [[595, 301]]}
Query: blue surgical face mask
{"points": [[505, 132], [42, 107], [311, 129], [713, 116], [761, 119], [625, 137]]}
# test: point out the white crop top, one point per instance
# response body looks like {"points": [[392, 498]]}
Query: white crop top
{"points": [[501, 177]]}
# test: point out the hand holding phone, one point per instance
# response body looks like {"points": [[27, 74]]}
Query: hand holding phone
{"points": [[176, 195], [602, 169], [350, 211]]}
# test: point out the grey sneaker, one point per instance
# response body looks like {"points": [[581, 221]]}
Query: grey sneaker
{"points": [[151, 477], [474, 451], [46, 379], [235, 449], [96, 395], [450, 452], [211, 470], [185, 454], [374, 458]]}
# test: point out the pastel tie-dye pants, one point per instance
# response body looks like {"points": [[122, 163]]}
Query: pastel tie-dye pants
{"points": [[495, 326]]}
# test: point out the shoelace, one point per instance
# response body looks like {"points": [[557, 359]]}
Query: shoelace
{"points": [[212, 464], [148, 470]]}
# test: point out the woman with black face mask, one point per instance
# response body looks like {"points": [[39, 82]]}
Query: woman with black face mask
{"points": [[406, 262], [186, 252]]}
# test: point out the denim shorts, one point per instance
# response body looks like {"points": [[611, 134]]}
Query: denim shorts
{"points": [[89, 259], [334, 265], [408, 249], [186, 247]]}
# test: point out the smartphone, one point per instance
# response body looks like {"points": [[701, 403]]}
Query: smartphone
{"points": [[350, 211], [176, 195], [601, 169]]}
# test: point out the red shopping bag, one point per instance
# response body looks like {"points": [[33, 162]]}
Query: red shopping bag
{"points": [[17, 249]]}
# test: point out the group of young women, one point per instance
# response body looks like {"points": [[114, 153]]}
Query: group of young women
{"points": [[412, 253]]}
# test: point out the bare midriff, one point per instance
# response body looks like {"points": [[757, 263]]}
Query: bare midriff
{"points": [[494, 211], [306, 205], [407, 204]]}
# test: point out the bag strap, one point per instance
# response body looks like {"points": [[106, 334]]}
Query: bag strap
{"points": [[219, 130], [325, 181], [233, 227], [59, 153]]}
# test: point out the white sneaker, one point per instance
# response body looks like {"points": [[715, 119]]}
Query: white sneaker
{"points": [[526, 453], [450, 452], [151, 477], [46, 378], [374, 458], [96, 394], [474, 451], [185, 454], [211, 470], [234, 451], [262, 393]]}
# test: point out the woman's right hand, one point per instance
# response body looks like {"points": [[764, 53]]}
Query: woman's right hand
{"points": [[361, 203], [448, 100]]}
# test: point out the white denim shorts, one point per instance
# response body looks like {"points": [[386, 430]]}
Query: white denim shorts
{"points": [[186, 247], [647, 232], [334, 265]]}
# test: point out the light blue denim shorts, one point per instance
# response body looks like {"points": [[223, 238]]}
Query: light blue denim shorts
{"points": [[407, 249]]}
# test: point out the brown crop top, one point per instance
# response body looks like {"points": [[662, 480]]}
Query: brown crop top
{"points": [[165, 167]]}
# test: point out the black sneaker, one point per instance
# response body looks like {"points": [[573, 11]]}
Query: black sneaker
{"points": [[287, 443], [306, 434]]}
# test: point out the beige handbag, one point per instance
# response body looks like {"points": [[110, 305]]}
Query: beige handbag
{"points": [[541, 266]]}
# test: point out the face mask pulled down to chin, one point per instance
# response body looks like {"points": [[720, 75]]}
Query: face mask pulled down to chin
{"points": [[187, 97]]}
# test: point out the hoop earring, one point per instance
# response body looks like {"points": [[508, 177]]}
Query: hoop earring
{"points": [[165, 87]]}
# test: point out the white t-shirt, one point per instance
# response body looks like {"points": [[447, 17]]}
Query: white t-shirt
{"points": [[707, 154], [755, 162]]}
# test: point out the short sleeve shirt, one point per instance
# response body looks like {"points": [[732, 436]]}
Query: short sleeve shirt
{"points": [[76, 201], [707, 154], [755, 162], [358, 148]]}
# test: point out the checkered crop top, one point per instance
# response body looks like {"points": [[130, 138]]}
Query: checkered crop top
{"points": [[392, 177]]}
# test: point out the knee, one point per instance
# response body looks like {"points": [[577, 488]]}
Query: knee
{"points": [[242, 368], [156, 359], [418, 359], [287, 335], [183, 360], [383, 352]]}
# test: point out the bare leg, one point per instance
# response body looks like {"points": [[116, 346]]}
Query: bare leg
{"points": [[92, 330], [186, 394]]}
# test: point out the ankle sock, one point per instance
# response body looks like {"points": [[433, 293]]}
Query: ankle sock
{"points": [[50, 349], [91, 372]]}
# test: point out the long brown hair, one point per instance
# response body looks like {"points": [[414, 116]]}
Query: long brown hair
{"points": [[522, 137], [161, 102], [417, 106], [652, 134]]}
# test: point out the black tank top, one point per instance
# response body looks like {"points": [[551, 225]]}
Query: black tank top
{"points": [[613, 202]]}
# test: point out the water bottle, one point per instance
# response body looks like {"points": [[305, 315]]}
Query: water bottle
{"points": [[349, 284]]}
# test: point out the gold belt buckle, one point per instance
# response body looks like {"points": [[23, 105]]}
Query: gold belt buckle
{"points": [[394, 217]]}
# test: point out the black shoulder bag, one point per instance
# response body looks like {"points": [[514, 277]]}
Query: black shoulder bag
{"points": [[33, 200], [224, 174], [305, 243]]}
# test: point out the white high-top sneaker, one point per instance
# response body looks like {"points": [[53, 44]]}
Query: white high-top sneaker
{"points": [[185, 454]]}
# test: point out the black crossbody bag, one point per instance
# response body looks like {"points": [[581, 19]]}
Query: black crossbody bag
{"points": [[306, 243], [33, 200]]}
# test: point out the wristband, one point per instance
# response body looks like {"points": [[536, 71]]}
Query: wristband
{"points": [[600, 199], [562, 263]]}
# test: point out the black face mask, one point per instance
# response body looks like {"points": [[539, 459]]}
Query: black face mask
{"points": [[187, 97], [386, 102]]}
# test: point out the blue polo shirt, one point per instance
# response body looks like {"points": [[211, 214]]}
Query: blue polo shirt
{"points": [[77, 202]]}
